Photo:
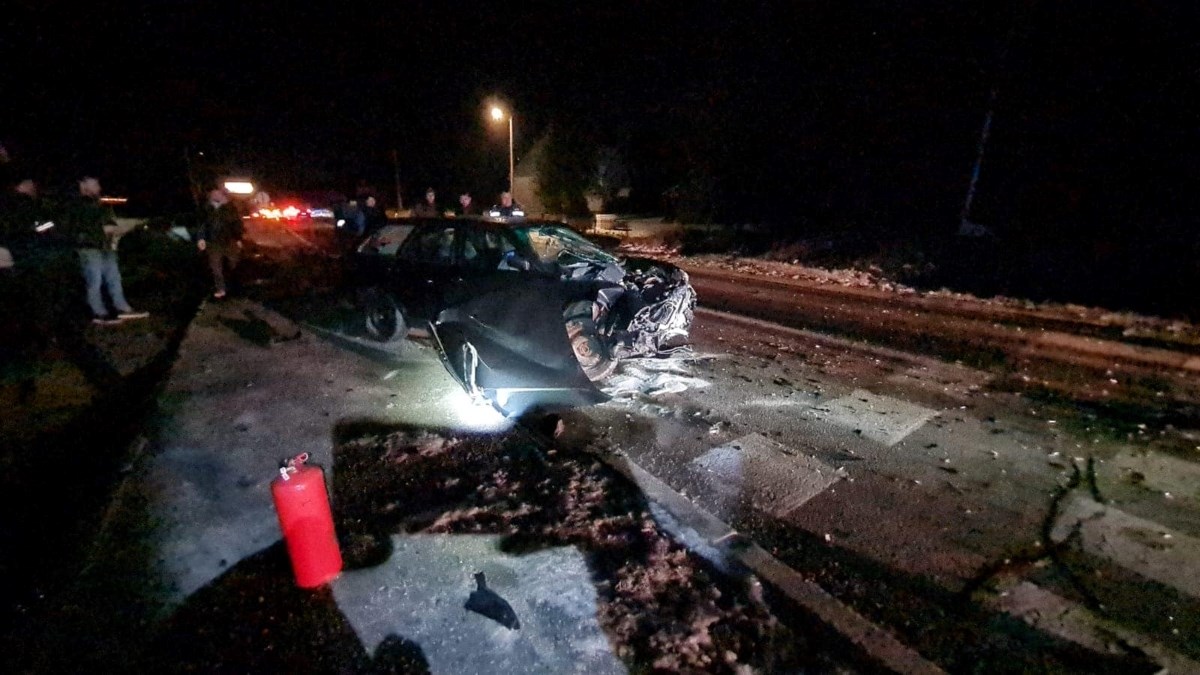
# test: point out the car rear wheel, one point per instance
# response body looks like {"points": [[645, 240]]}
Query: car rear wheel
{"points": [[590, 349], [384, 320]]}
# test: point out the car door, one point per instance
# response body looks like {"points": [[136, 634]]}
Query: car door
{"points": [[502, 331], [426, 269], [481, 249]]}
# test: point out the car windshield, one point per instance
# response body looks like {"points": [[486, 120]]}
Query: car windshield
{"points": [[558, 244]]}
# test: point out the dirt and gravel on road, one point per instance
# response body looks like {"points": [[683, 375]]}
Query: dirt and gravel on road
{"points": [[662, 609]]}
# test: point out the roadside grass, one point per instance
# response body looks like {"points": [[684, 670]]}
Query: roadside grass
{"points": [[72, 408]]}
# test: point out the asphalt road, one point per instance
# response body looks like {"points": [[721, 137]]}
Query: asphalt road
{"points": [[924, 498], [1100, 358], [1000, 487]]}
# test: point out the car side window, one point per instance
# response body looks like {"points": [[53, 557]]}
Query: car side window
{"points": [[387, 240], [430, 245], [485, 247]]}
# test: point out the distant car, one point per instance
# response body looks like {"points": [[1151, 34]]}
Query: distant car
{"points": [[522, 312]]}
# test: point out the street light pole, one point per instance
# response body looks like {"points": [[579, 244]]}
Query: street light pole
{"points": [[396, 166], [511, 165], [498, 114]]}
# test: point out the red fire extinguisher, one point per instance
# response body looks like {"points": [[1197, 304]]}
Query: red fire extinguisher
{"points": [[306, 521]]}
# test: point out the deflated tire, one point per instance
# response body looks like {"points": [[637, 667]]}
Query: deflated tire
{"points": [[590, 349]]}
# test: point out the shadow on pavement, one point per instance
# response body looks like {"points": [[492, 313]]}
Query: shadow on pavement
{"points": [[254, 619], [256, 330], [659, 605], [60, 469], [951, 629]]}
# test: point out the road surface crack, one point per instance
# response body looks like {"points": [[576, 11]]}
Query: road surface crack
{"points": [[1047, 549]]}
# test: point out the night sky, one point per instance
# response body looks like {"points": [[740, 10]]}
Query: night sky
{"points": [[808, 115]]}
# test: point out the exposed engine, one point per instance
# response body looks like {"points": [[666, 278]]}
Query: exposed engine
{"points": [[648, 313]]}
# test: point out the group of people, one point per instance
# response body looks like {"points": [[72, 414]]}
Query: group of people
{"points": [[359, 216], [362, 215], [43, 238], [43, 242], [428, 207]]}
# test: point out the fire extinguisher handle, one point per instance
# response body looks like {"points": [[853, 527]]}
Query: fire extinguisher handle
{"points": [[290, 466]]}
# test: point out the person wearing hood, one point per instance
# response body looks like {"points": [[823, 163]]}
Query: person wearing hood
{"points": [[427, 208]]}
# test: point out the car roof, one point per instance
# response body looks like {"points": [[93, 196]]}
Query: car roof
{"points": [[479, 220]]}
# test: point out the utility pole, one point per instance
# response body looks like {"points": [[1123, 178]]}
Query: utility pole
{"points": [[396, 167], [965, 226], [193, 186]]}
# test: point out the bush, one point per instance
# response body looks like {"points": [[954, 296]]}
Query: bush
{"points": [[695, 241]]}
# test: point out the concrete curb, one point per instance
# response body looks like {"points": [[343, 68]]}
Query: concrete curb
{"points": [[706, 535], [876, 642]]}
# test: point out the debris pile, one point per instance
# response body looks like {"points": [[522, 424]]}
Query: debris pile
{"points": [[662, 607]]}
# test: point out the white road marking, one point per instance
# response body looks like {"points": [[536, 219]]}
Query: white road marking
{"points": [[776, 403], [880, 418], [1158, 472], [772, 477], [1139, 545], [1060, 617]]}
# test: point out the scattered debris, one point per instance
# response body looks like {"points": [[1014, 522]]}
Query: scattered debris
{"points": [[487, 602]]}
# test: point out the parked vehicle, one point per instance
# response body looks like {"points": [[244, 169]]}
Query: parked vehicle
{"points": [[523, 313]]}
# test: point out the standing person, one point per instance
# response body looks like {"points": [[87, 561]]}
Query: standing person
{"points": [[373, 216], [20, 215], [507, 207], [92, 227], [221, 233], [466, 207], [351, 222], [40, 257], [427, 208]]}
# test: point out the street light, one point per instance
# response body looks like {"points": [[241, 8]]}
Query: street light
{"points": [[497, 115]]}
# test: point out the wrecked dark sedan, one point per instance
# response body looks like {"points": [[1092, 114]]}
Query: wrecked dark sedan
{"points": [[523, 313]]}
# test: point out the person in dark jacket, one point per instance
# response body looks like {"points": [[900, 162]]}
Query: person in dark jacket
{"points": [[92, 228], [373, 214], [506, 208], [37, 279], [466, 206], [20, 216], [427, 208], [221, 232], [350, 222]]}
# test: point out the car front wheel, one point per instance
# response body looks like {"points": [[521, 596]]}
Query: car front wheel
{"points": [[590, 349], [383, 318]]}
